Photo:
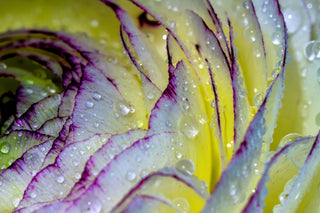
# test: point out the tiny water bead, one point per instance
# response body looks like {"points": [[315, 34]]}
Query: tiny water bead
{"points": [[3, 66], [5, 148], [90, 204], [96, 96], [131, 175], [94, 23], [312, 50], [186, 166], [189, 127], [293, 19], [288, 139], [249, 34], [123, 109], [276, 38], [89, 104], [258, 99], [182, 204], [275, 72], [60, 179]]}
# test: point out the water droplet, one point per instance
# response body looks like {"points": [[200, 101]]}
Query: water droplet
{"points": [[131, 175], [233, 189], [60, 179], [258, 99], [33, 195], [178, 155], [150, 96], [312, 50], [29, 91], [288, 139], [186, 106], [124, 109], [186, 166], [257, 53], [96, 96], [15, 202], [89, 104], [275, 72], [75, 163], [94, 23], [5, 148], [189, 127], [276, 208], [276, 38], [143, 173], [203, 187], [90, 204], [182, 204], [249, 34], [292, 18], [3, 66], [77, 176]]}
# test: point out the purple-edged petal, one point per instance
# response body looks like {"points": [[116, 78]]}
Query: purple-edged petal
{"points": [[148, 203], [13, 145], [176, 185], [304, 190], [38, 114], [240, 178], [182, 110], [148, 57], [115, 145], [60, 177], [15, 179], [278, 176], [123, 172]]}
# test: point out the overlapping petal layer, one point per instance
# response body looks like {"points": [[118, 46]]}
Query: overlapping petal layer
{"points": [[168, 106]]}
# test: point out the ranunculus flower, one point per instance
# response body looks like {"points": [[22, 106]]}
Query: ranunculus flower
{"points": [[159, 106]]}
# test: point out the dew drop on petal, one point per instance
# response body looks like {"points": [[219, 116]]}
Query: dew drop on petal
{"points": [[91, 204], [308, 51], [3, 66], [131, 175], [288, 139], [89, 104], [182, 204], [5, 148], [186, 166], [150, 96], [275, 72], [258, 99], [96, 96], [94, 23], [292, 18], [33, 195], [276, 38], [189, 127], [77, 176], [249, 34], [15, 202], [60, 179]]}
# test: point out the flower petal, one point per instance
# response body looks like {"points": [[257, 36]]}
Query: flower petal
{"points": [[279, 172]]}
